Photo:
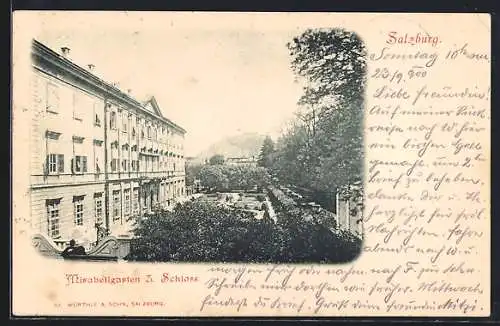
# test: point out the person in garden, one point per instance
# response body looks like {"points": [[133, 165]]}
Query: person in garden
{"points": [[73, 250]]}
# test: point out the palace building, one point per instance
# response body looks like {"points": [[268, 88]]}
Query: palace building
{"points": [[99, 157]]}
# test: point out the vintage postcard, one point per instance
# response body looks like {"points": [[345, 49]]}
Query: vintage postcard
{"points": [[195, 164]]}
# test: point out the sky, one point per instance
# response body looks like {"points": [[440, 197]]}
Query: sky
{"points": [[214, 79]]}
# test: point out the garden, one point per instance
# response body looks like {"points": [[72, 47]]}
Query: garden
{"points": [[206, 231]]}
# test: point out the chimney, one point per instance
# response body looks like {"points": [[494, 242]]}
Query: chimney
{"points": [[65, 52], [129, 91], [91, 67], [116, 84]]}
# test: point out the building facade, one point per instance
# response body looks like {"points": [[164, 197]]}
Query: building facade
{"points": [[242, 161], [99, 157]]}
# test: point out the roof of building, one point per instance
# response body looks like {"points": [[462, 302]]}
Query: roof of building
{"points": [[154, 109]]}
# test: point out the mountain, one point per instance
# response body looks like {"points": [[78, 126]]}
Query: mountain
{"points": [[242, 145]]}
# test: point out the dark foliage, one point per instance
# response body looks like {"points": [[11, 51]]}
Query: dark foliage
{"points": [[266, 151], [216, 159], [232, 177], [199, 231], [322, 149]]}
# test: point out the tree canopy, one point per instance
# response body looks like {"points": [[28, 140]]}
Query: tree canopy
{"points": [[266, 152], [192, 173], [199, 231], [217, 159], [232, 177], [323, 147]]}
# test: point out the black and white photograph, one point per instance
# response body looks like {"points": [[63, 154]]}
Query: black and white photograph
{"points": [[175, 164], [194, 145]]}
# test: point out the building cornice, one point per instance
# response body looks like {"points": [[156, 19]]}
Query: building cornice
{"points": [[58, 61]]}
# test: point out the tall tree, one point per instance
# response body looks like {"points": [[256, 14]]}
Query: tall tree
{"points": [[192, 173], [326, 151], [213, 177], [266, 152]]}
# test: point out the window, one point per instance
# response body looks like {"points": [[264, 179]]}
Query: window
{"points": [[149, 132], [112, 120], [135, 165], [52, 163], [79, 164], [133, 133], [55, 163], [142, 134], [114, 164], [98, 153], [124, 165], [116, 205], [78, 208], [124, 122], [53, 217], [52, 98], [97, 115], [98, 207], [77, 106], [114, 156], [136, 200], [126, 204]]}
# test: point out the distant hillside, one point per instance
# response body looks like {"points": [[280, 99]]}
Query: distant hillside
{"points": [[244, 145]]}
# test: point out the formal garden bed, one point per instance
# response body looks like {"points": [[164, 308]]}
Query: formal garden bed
{"points": [[205, 231]]}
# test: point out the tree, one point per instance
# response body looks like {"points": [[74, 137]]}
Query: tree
{"points": [[229, 177], [192, 173], [323, 149], [201, 231], [333, 64], [266, 152], [198, 231], [213, 176], [216, 159]]}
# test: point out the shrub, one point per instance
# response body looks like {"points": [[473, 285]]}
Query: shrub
{"points": [[200, 231]]}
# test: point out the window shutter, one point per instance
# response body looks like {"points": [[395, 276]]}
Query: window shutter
{"points": [[84, 163], [60, 163], [97, 167], [46, 165]]}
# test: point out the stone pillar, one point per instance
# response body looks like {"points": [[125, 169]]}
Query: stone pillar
{"points": [[356, 219], [342, 213]]}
